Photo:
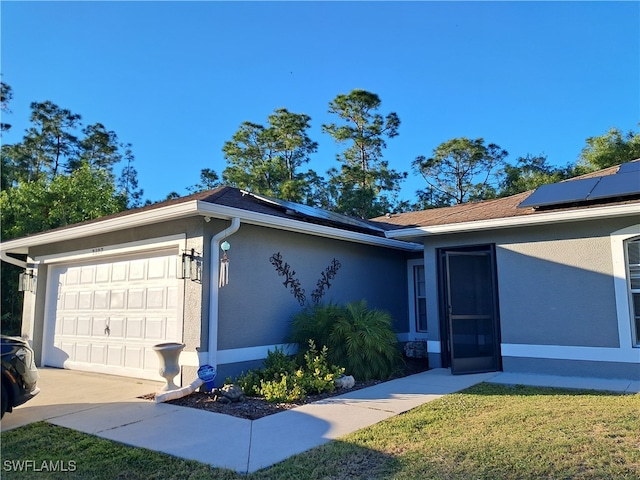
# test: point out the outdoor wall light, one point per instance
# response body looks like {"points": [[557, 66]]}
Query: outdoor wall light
{"points": [[27, 281], [191, 266]]}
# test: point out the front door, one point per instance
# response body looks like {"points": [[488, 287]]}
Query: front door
{"points": [[469, 300]]}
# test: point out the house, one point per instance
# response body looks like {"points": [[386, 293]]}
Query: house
{"points": [[108, 290], [540, 282], [545, 282]]}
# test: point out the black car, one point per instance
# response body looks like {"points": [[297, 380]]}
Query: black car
{"points": [[19, 373]]}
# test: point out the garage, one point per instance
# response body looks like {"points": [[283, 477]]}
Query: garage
{"points": [[105, 315]]}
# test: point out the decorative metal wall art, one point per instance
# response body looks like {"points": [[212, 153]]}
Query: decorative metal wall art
{"points": [[285, 270]]}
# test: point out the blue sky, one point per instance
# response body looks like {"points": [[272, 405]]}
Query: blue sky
{"points": [[176, 79]]}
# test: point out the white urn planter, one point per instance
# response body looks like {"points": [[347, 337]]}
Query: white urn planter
{"points": [[169, 353]]}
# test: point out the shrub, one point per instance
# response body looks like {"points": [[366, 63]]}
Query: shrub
{"points": [[314, 323], [283, 379], [284, 390], [318, 376], [278, 364], [359, 339], [249, 382]]}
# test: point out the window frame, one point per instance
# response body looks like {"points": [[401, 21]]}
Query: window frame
{"points": [[413, 297], [633, 314]]}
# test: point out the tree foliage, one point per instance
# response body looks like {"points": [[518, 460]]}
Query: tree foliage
{"points": [[612, 148], [59, 174], [6, 94], [209, 180], [52, 147], [529, 173], [267, 160], [364, 186], [461, 170]]}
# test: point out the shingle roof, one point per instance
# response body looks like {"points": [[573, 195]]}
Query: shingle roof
{"points": [[491, 209], [236, 198]]}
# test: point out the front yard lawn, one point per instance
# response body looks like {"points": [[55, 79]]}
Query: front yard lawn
{"points": [[485, 432]]}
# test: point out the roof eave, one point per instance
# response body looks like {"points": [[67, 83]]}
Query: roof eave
{"points": [[195, 208], [516, 222], [298, 226]]}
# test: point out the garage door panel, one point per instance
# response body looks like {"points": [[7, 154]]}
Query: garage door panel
{"points": [[135, 328], [72, 276], [83, 327], [172, 327], [158, 268], [87, 275], [117, 299], [116, 328], [134, 357], [115, 355], [154, 328], [82, 352], [119, 272], [98, 326], [103, 273], [98, 354], [70, 301], [172, 298], [137, 270], [68, 326], [155, 298], [85, 300], [108, 315], [100, 299], [135, 298]]}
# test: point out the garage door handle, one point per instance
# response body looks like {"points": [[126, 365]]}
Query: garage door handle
{"points": [[107, 331]]}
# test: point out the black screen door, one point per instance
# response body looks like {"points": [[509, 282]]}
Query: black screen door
{"points": [[472, 321]]}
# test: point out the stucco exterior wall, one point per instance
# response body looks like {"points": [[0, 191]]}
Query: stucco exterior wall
{"points": [[555, 285], [256, 308]]}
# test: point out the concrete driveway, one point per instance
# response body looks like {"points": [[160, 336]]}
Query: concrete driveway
{"points": [[63, 392]]}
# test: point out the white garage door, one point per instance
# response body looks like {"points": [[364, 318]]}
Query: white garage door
{"points": [[108, 314]]}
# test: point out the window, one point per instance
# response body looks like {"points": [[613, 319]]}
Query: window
{"points": [[420, 301], [633, 271]]}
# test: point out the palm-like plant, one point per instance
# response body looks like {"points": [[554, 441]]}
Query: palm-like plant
{"points": [[363, 341], [359, 339]]}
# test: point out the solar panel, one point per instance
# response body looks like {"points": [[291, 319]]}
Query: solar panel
{"points": [[559, 193], [618, 185], [318, 213], [629, 167], [623, 183]]}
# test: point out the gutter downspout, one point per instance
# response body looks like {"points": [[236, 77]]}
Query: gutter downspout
{"points": [[13, 261], [213, 289]]}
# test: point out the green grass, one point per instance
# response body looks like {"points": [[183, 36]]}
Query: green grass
{"points": [[485, 432]]}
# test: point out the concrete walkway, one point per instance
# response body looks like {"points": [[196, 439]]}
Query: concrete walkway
{"points": [[239, 444]]}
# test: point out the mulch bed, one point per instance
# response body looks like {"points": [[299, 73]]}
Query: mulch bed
{"points": [[254, 408]]}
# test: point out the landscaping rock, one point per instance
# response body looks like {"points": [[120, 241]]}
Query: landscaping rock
{"points": [[345, 382], [415, 349], [228, 394]]}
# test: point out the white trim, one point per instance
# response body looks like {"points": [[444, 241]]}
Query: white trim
{"points": [[433, 346], [159, 243], [621, 283], [124, 222], [561, 352], [411, 292], [282, 223], [519, 221], [194, 208], [247, 354]]}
